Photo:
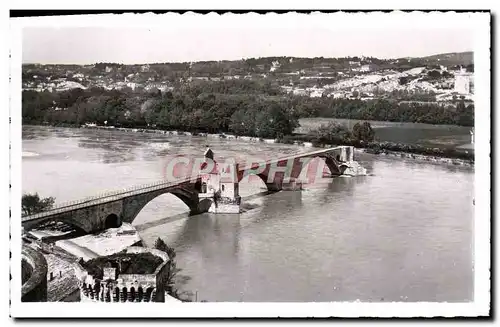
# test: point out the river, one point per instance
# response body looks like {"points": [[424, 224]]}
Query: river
{"points": [[403, 233]]}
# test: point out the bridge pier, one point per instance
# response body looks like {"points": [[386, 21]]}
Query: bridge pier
{"points": [[199, 207], [292, 185]]}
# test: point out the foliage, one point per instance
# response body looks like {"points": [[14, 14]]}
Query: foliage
{"points": [[254, 107], [32, 204], [173, 278], [385, 147], [403, 80], [385, 110], [363, 132], [131, 263], [332, 133]]}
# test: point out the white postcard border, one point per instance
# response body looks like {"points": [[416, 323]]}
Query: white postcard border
{"points": [[478, 22]]}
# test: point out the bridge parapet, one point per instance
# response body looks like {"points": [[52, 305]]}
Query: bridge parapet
{"points": [[104, 197]]}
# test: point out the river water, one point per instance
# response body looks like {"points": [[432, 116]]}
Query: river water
{"points": [[403, 233]]}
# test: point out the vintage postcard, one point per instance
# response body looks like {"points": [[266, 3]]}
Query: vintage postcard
{"points": [[317, 164]]}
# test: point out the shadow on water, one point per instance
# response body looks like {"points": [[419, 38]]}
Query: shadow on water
{"points": [[170, 219], [271, 206], [337, 187], [207, 231], [274, 207], [162, 221], [204, 229]]}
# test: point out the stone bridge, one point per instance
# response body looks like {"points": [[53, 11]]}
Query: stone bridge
{"points": [[283, 173], [111, 209]]}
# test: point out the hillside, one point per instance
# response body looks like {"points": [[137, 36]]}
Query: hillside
{"points": [[453, 58], [261, 97], [430, 78]]}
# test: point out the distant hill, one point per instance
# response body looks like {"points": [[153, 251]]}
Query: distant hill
{"points": [[453, 58]]}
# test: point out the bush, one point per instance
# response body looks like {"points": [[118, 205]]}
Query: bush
{"points": [[363, 132], [333, 133], [287, 139]]}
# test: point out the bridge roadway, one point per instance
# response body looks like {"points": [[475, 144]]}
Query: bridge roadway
{"points": [[106, 197], [112, 208]]}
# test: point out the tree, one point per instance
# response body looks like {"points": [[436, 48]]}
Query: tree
{"points": [[173, 276], [403, 80], [32, 204], [333, 133], [363, 132]]}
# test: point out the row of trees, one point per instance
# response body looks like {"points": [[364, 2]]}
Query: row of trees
{"points": [[386, 110], [239, 107], [254, 108], [335, 133]]}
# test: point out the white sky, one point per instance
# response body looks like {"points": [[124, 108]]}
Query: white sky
{"points": [[161, 38]]}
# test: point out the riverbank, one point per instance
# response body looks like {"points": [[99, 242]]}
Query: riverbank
{"points": [[420, 157], [446, 156]]}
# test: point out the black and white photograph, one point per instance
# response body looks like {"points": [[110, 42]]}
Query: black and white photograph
{"points": [[293, 164]]}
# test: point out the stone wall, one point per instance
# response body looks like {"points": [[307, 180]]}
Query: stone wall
{"points": [[127, 287], [35, 288]]}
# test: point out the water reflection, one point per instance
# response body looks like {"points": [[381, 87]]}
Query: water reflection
{"points": [[206, 232], [35, 132]]}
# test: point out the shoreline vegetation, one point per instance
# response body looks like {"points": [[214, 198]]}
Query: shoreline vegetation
{"points": [[242, 108], [411, 151]]}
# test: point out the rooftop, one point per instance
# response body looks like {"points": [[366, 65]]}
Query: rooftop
{"points": [[110, 241]]}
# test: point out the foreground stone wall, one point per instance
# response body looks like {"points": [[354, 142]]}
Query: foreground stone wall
{"points": [[127, 287], [35, 288]]}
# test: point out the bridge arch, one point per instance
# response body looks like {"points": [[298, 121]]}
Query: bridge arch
{"points": [[78, 224], [133, 206], [112, 221], [335, 166], [333, 163], [263, 177]]}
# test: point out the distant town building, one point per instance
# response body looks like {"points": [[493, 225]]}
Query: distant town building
{"points": [[299, 91], [159, 86], [462, 82], [275, 65], [365, 68], [315, 92]]}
